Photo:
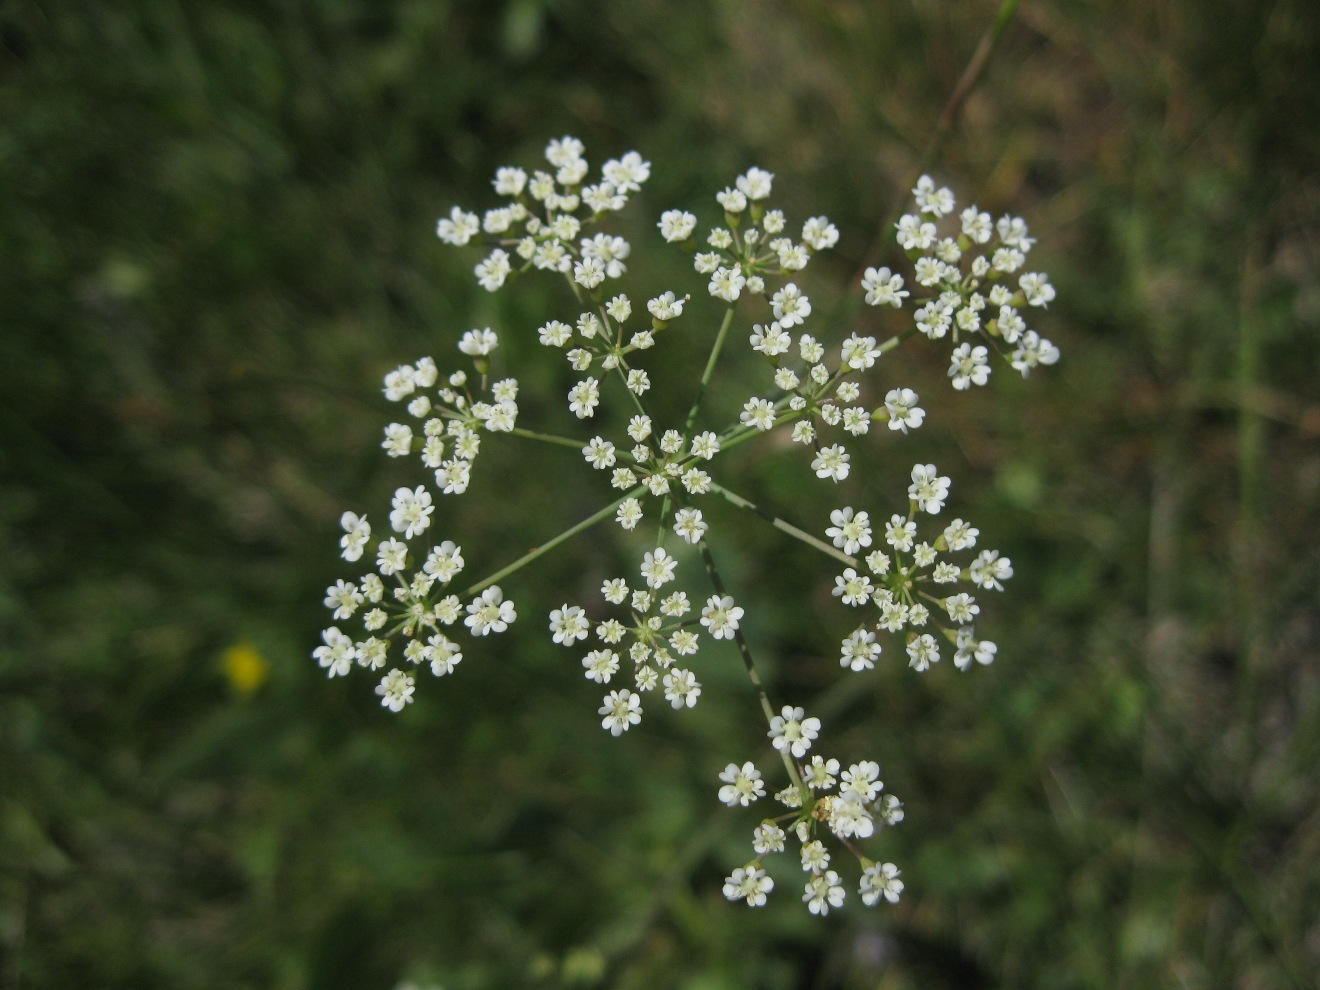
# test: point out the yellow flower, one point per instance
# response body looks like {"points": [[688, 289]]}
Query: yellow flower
{"points": [[245, 668]]}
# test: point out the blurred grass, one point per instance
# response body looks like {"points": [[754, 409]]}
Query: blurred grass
{"points": [[217, 226]]}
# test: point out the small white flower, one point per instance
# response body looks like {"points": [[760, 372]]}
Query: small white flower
{"points": [[791, 731], [727, 284], [492, 272], [583, 398], [790, 306], [748, 883], [989, 570], [677, 225], [831, 462], [721, 616], [622, 710], [928, 489], [396, 690], [658, 567], [823, 891], [901, 404], [755, 183], [569, 624], [458, 228], [860, 650], [819, 233], [880, 880], [601, 665], [489, 613], [967, 366], [922, 652], [682, 688]]}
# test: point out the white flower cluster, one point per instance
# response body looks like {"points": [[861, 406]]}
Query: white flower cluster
{"points": [[920, 587], [658, 631], [853, 811], [449, 420], [913, 585], [966, 276], [545, 215]]}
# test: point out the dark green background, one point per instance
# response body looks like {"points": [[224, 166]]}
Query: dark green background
{"points": [[217, 233]]}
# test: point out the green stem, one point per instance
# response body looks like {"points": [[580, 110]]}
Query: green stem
{"points": [[547, 438], [785, 527], [709, 372], [741, 641], [966, 83], [550, 544]]}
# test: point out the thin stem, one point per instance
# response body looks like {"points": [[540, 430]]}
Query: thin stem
{"points": [[518, 431], [752, 674], [550, 544], [709, 372], [783, 526], [966, 83]]}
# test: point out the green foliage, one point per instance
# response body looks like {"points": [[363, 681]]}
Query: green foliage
{"points": [[217, 223]]}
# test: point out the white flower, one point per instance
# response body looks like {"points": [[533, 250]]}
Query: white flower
{"points": [[343, 598], [589, 273], [976, 226], [689, 525], [913, 234], [629, 513], [458, 228], [901, 404], [967, 366], [599, 453], [356, 533], [509, 181], [989, 570], [336, 656], [727, 283], [682, 688], [478, 343], [742, 784], [928, 488], [790, 306], [733, 200], [583, 398], [748, 883], [814, 857], [900, 533], [883, 288], [755, 183], [396, 690], [601, 665], [819, 233], [936, 202], [767, 838], [860, 650], [658, 567], [860, 353], [705, 445], [492, 272], [792, 732], [770, 340], [759, 413], [490, 613], [961, 607], [628, 173], [666, 307], [412, 511], [721, 616], [391, 555], [880, 880], [677, 225], [1033, 350], [443, 653], [622, 710], [398, 440], [569, 624], [922, 652], [853, 588], [831, 462], [823, 891]]}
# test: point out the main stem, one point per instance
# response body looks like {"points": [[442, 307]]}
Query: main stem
{"points": [[784, 526], [752, 674]]}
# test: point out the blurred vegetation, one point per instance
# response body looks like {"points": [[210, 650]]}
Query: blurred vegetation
{"points": [[217, 226]]}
